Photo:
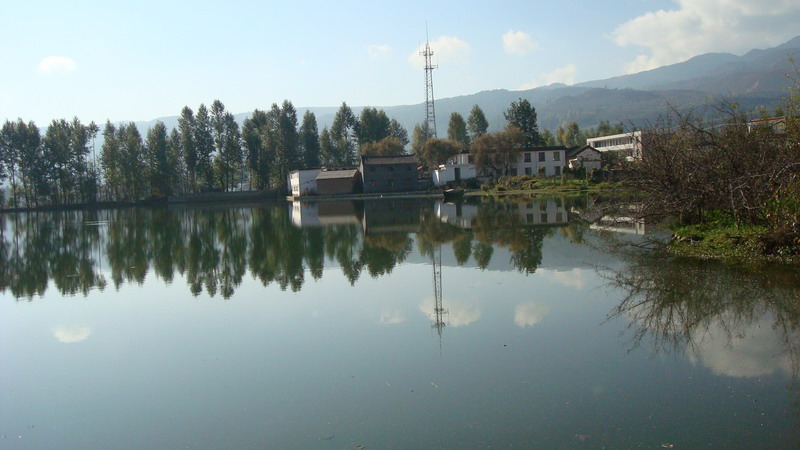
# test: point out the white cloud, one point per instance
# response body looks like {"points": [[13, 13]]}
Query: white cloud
{"points": [[446, 49], [71, 334], [751, 351], [701, 26], [564, 75], [392, 317], [459, 312], [529, 314], [379, 51], [518, 43], [575, 278], [56, 64]]}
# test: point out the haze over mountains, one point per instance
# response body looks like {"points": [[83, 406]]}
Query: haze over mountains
{"points": [[756, 79]]}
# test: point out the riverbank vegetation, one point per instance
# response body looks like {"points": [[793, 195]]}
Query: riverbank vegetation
{"points": [[730, 188]]}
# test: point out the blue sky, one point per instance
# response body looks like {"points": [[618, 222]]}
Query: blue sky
{"points": [[147, 59]]}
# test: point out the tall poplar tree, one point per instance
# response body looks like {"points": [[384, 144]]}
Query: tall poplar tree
{"points": [[398, 131], [327, 152], [344, 135], [255, 132], [188, 148], [522, 115], [309, 140], [204, 143], [373, 125], [159, 167], [457, 130], [477, 123]]}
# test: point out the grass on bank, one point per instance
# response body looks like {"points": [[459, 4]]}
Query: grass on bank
{"points": [[526, 183], [723, 239]]}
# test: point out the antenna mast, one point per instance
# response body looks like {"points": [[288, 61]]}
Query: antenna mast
{"points": [[430, 111]]}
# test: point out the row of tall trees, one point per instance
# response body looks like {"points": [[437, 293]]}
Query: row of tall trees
{"points": [[52, 169], [208, 150]]}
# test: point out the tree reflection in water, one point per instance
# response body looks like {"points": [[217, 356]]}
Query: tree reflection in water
{"points": [[737, 322], [213, 248]]}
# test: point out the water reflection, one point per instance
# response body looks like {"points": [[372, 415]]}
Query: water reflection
{"points": [[735, 322], [214, 248]]}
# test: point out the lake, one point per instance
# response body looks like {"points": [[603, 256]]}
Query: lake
{"points": [[402, 323]]}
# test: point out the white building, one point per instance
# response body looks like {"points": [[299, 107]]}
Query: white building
{"points": [[586, 156], [540, 161], [549, 211], [303, 182], [457, 168], [628, 144]]}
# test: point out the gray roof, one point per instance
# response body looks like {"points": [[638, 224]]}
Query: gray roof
{"points": [[578, 150], [333, 174], [401, 159]]}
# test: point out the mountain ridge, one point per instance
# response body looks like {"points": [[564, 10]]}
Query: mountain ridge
{"points": [[757, 79]]}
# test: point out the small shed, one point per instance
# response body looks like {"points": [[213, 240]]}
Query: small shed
{"points": [[338, 182], [303, 182]]}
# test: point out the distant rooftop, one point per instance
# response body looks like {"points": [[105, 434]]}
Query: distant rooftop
{"points": [[333, 174], [401, 159]]}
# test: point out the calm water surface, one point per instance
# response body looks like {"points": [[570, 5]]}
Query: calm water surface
{"points": [[386, 324]]}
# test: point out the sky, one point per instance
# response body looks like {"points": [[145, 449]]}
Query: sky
{"points": [[136, 61]]}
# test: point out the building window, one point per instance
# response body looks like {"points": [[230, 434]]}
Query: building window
{"points": [[469, 159], [559, 217], [558, 170], [527, 157], [528, 171], [556, 156], [529, 218], [541, 172], [513, 172], [543, 218], [541, 156]]}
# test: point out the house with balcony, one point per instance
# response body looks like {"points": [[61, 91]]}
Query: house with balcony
{"points": [[627, 145]]}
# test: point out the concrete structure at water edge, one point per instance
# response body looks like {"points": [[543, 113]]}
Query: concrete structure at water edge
{"points": [[382, 174]]}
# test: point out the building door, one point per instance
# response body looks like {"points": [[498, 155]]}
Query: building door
{"points": [[458, 173]]}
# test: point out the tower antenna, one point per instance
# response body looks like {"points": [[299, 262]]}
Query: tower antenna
{"points": [[430, 110]]}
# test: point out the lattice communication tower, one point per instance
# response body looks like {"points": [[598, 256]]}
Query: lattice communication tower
{"points": [[430, 110]]}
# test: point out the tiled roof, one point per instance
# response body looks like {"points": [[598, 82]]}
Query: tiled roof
{"points": [[333, 174], [401, 159], [578, 150]]}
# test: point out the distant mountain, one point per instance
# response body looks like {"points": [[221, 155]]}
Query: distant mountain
{"points": [[756, 79]]}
